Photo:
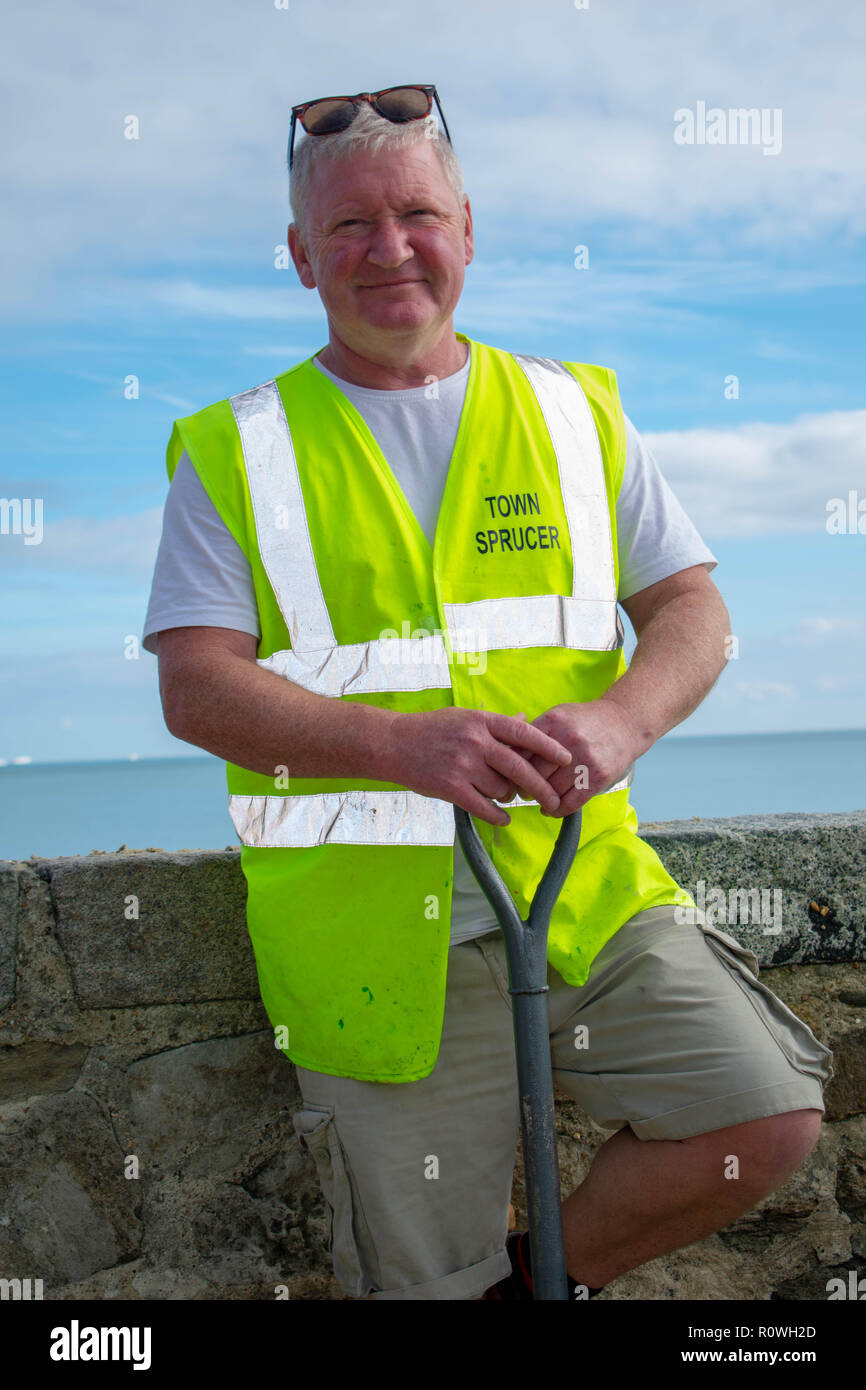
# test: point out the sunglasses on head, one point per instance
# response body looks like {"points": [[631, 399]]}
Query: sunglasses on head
{"points": [[327, 115]]}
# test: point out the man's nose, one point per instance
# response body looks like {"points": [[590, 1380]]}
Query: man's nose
{"points": [[389, 245]]}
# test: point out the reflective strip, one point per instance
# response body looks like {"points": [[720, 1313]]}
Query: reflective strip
{"points": [[366, 667], [281, 520], [590, 622], [542, 620], [622, 785], [342, 818], [353, 818]]}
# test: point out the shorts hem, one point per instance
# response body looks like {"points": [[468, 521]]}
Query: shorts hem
{"points": [[462, 1284], [737, 1109]]}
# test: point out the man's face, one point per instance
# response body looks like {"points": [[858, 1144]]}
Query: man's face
{"points": [[386, 245]]}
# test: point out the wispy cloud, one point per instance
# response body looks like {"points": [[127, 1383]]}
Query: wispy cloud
{"points": [[764, 479], [814, 631], [174, 400], [239, 303], [87, 545], [765, 690], [783, 352]]}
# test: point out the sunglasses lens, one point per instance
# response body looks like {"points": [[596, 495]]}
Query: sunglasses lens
{"points": [[325, 117], [404, 104]]}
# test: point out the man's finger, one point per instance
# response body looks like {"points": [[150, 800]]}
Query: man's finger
{"points": [[531, 737], [512, 765]]}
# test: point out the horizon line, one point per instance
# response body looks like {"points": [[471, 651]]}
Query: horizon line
{"points": [[201, 756]]}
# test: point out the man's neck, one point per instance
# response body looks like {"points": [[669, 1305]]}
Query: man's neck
{"points": [[446, 358]]}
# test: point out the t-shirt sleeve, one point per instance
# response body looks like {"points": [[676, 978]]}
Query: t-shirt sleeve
{"points": [[654, 535], [201, 578]]}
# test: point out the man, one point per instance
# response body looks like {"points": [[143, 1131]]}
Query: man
{"points": [[368, 647]]}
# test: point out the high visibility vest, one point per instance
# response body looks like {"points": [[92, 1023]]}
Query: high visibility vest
{"points": [[514, 609]]}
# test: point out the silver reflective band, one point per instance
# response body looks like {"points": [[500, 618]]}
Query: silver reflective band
{"points": [[542, 620], [353, 818], [281, 521], [342, 818], [365, 667], [622, 785], [590, 622]]}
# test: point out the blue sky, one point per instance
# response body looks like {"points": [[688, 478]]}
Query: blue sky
{"points": [[155, 257]]}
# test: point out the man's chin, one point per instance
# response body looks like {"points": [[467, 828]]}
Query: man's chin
{"points": [[399, 318]]}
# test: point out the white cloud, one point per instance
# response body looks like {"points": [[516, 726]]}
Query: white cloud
{"points": [[772, 351], [174, 400], [810, 631], [765, 690], [85, 545], [240, 303], [763, 479]]}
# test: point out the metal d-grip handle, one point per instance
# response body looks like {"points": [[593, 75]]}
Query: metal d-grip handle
{"points": [[497, 894], [526, 950]]}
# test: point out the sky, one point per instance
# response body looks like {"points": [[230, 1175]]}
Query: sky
{"points": [[723, 280]]}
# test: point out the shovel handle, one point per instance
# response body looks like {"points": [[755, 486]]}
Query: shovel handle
{"points": [[526, 951], [491, 882]]}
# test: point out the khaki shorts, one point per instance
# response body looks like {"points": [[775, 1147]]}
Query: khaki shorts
{"points": [[682, 1038]]}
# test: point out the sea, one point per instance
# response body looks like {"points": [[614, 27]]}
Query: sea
{"points": [[50, 809]]}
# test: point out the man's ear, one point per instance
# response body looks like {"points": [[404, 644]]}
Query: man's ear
{"points": [[468, 230], [299, 256]]}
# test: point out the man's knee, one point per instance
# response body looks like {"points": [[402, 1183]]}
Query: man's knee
{"points": [[767, 1151]]}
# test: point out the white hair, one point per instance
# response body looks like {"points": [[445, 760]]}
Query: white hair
{"points": [[372, 131]]}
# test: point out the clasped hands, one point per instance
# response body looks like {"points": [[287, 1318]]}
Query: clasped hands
{"points": [[603, 744]]}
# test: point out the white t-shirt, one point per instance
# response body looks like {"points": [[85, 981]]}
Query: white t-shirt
{"points": [[202, 577]]}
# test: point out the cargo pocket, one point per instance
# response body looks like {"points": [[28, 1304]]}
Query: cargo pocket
{"points": [[796, 1040], [315, 1127]]}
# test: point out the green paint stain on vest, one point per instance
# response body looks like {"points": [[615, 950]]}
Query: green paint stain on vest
{"points": [[365, 990], [339, 1023]]}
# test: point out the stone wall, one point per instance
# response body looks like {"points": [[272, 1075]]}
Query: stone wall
{"points": [[141, 1039]]}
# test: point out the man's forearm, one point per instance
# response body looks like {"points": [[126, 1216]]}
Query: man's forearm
{"points": [[679, 656], [246, 715]]}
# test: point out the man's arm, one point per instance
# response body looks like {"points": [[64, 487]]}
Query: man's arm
{"points": [[216, 696], [681, 625]]}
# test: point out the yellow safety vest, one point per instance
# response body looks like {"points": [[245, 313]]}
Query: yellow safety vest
{"points": [[513, 610]]}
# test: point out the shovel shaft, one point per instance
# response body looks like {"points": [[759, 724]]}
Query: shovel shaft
{"points": [[526, 951], [540, 1160]]}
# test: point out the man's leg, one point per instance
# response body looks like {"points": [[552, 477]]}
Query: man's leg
{"points": [[417, 1176], [646, 1197], [674, 1042]]}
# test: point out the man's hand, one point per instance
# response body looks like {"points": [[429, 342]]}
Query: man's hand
{"points": [[470, 756], [682, 627], [602, 742]]}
